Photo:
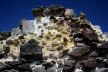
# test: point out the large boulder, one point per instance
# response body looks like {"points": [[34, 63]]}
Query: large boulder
{"points": [[54, 10], [31, 50], [77, 52]]}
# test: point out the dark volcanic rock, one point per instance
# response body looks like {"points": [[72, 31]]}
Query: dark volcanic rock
{"points": [[78, 37], [82, 15], [24, 68], [38, 12], [4, 35], [90, 35], [1, 55], [54, 10], [77, 52], [31, 50], [103, 70], [69, 65], [102, 49], [90, 63], [4, 67]]}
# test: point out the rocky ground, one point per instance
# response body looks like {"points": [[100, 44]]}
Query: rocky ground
{"points": [[55, 41]]}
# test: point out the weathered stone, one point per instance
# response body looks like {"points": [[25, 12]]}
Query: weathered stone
{"points": [[1, 55], [12, 70], [15, 31], [6, 49], [15, 42], [4, 35], [77, 52], [90, 35], [38, 12], [93, 54], [24, 68], [69, 65], [53, 19], [9, 42], [31, 50], [54, 43], [70, 12], [103, 70], [90, 63], [82, 15], [4, 66], [28, 27], [85, 24], [78, 37], [59, 48], [102, 48], [54, 10]]}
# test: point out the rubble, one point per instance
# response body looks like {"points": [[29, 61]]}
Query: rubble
{"points": [[55, 41]]}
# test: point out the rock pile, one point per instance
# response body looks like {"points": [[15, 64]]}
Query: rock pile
{"points": [[55, 41]]}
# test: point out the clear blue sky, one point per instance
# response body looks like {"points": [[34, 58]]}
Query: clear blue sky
{"points": [[12, 11]]}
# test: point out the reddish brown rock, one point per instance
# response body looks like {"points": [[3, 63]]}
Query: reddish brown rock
{"points": [[90, 63]]}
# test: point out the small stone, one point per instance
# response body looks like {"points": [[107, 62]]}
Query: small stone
{"points": [[69, 65], [70, 12], [78, 37], [15, 42], [85, 24], [93, 54], [90, 63], [4, 67], [54, 43], [59, 48], [6, 49], [82, 15], [9, 42], [24, 68], [103, 70]]}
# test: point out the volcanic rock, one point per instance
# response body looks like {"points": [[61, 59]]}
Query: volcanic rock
{"points": [[31, 50], [82, 15], [69, 65], [77, 52]]}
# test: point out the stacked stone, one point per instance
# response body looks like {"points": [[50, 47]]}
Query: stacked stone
{"points": [[67, 44]]}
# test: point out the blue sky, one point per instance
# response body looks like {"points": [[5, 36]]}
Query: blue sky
{"points": [[12, 11]]}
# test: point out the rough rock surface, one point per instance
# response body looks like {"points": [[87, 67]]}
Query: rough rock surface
{"points": [[55, 41]]}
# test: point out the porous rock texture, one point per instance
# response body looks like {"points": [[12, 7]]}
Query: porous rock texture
{"points": [[55, 41]]}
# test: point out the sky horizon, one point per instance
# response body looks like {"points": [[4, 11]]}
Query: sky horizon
{"points": [[12, 11]]}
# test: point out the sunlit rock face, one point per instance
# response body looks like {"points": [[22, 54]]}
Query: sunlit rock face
{"points": [[54, 41]]}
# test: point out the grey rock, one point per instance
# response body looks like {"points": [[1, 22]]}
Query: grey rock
{"points": [[28, 27], [15, 31], [103, 70], [77, 52], [31, 50], [82, 15]]}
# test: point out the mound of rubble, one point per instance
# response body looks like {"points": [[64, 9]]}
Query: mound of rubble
{"points": [[55, 41]]}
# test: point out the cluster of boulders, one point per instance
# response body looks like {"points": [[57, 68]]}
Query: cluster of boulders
{"points": [[67, 44]]}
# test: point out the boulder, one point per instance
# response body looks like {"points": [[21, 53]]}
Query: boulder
{"points": [[70, 12], [90, 63], [31, 50], [69, 65], [82, 15], [4, 67], [78, 52], [54, 10], [78, 37]]}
